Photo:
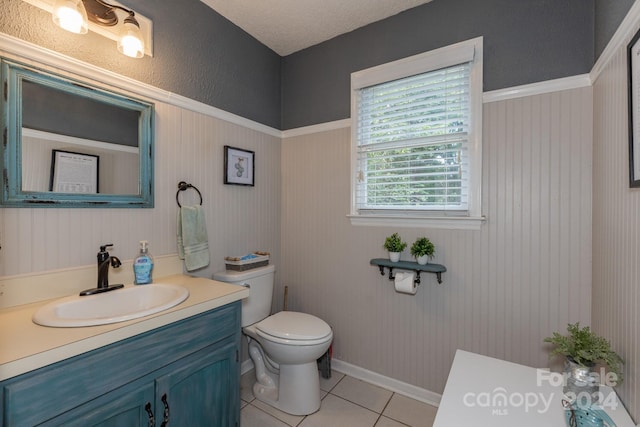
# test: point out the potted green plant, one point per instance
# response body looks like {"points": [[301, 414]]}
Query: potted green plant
{"points": [[394, 245], [583, 350], [423, 250]]}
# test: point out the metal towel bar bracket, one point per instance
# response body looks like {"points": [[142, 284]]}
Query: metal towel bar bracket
{"points": [[183, 186], [383, 263]]}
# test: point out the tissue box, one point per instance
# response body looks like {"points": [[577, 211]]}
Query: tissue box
{"points": [[257, 259]]}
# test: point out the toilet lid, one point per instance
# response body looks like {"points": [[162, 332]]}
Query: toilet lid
{"points": [[294, 326]]}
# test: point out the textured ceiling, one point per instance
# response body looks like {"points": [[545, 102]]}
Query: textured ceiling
{"points": [[287, 26]]}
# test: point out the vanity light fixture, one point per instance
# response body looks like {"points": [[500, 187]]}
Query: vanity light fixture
{"points": [[74, 16], [71, 15]]}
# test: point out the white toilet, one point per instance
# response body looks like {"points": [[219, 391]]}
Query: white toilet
{"points": [[284, 347]]}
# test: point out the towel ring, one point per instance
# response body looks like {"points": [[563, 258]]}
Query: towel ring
{"points": [[183, 186]]}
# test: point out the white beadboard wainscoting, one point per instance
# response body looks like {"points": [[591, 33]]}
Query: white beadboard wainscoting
{"points": [[616, 223], [189, 146], [523, 275]]}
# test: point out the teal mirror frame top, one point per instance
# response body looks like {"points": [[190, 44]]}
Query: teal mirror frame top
{"points": [[13, 75]]}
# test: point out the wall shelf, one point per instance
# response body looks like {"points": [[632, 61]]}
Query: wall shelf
{"points": [[437, 269]]}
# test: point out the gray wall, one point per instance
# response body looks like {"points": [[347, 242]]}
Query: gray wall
{"points": [[524, 42], [608, 16], [201, 55], [51, 110], [197, 54]]}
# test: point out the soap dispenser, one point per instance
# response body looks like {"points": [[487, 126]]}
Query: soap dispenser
{"points": [[143, 265]]}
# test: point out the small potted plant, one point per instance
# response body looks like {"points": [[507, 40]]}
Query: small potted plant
{"points": [[394, 245], [423, 250], [583, 349]]}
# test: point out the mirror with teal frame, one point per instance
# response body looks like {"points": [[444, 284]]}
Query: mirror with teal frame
{"points": [[70, 144]]}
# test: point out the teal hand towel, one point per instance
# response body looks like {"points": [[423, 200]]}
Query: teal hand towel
{"points": [[193, 244]]}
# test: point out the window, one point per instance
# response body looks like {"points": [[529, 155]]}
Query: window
{"points": [[416, 132]]}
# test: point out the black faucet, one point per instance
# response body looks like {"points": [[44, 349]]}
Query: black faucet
{"points": [[104, 260]]}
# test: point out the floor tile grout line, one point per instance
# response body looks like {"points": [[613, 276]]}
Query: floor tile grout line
{"points": [[330, 392], [389, 416], [377, 419], [393, 419], [387, 404], [354, 403], [336, 384], [380, 414], [360, 405], [273, 416]]}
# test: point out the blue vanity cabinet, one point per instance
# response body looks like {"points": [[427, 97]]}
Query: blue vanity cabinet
{"points": [[118, 408], [197, 392], [187, 372]]}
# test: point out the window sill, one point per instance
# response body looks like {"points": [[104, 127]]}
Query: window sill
{"points": [[442, 222]]}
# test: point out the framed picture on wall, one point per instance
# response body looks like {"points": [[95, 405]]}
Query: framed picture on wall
{"points": [[74, 172], [238, 166], [633, 61]]}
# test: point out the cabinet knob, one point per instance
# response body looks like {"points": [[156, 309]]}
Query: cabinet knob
{"points": [[152, 420]]}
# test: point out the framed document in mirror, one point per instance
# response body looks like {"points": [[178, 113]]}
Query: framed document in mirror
{"points": [[74, 172]]}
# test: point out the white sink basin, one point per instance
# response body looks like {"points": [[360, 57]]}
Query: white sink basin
{"points": [[115, 306]]}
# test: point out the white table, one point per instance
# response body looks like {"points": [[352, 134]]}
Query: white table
{"points": [[483, 391]]}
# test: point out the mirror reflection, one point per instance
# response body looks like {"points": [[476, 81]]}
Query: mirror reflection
{"points": [[56, 122], [73, 144]]}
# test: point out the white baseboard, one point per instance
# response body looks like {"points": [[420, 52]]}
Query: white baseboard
{"points": [[388, 383], [246, 366], [374, 378]]}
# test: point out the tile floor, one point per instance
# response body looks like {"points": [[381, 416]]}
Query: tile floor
{"points": [[346, 402]]}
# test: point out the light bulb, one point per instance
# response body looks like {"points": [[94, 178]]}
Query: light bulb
{"points": [[70, 15], [131, 42]]}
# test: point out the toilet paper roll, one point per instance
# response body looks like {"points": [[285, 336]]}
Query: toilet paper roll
{"points": [[405, 284]]}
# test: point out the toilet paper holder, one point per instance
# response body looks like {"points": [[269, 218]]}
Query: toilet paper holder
{"points": [[393, 276], [383, 263]]}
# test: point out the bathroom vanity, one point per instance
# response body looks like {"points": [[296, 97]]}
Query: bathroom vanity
{"points": [[180, 365]]}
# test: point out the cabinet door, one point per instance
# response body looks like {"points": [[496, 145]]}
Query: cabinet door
{"points": [[202, 390], [119, 408]]}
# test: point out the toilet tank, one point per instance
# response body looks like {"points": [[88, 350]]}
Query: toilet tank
{"points": [[260, 282]]}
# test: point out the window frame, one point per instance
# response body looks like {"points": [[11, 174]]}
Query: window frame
{"points": [[417, 64]]}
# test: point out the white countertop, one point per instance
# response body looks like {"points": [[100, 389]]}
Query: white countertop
{"points": [[483, 391], [25, 346]]}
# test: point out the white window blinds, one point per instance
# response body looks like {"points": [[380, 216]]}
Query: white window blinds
{"points": [[412, 149]]}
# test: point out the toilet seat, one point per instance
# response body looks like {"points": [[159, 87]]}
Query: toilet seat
{"points": [[294, 328], [299, 343]]}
